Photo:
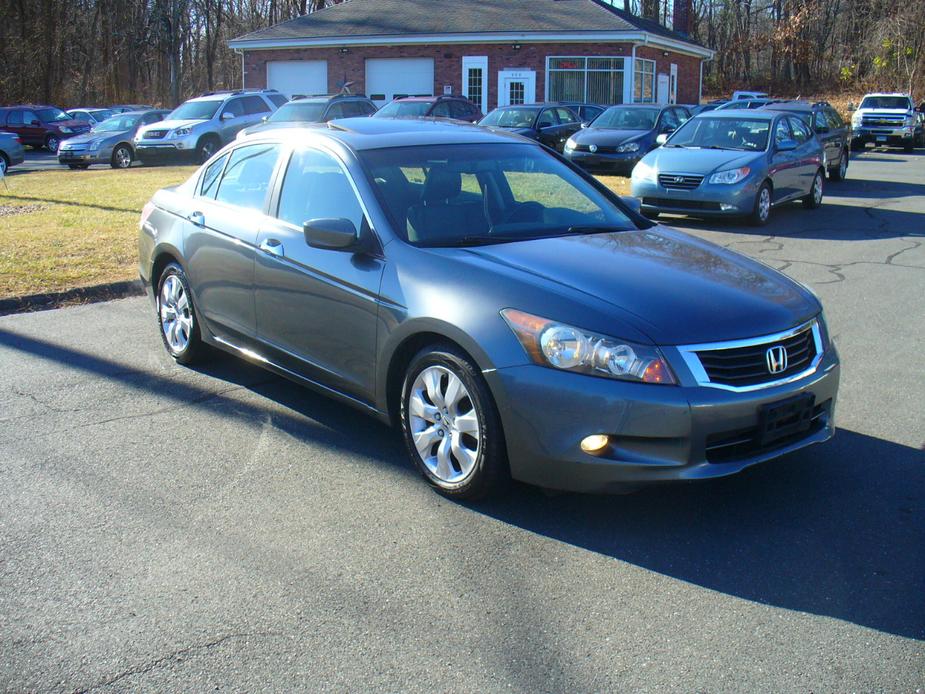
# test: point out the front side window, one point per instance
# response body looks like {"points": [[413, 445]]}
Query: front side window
{"points": [[235, 107], [117, 124], [835, 121], [316, 187], [669, 120], [254, 104], [644, 81], [51, 115], [510, 118], [782, 132], [546, 120], [705, 132], [82, 116], [472, 194], [820, 123], [800, 132], [441, 110], [246, 179]]}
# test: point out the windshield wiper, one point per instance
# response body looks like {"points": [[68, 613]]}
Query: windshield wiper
{"points": [[475, 240], [594, 228]]}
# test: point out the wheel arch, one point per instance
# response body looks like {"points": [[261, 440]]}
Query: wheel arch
{"points": [[163, 256]]}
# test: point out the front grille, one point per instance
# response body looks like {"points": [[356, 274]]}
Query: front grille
{"points": [[730, 446], [679, 181], [747, 366], [892, 121], [155, 134], [668, 204]]}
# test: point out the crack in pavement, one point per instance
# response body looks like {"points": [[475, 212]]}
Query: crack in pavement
{"points": [[176, 655]]}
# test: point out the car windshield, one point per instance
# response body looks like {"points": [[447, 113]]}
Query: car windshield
{"points": [[196, 110], [627, 118], [117, 124], [510, 118], [50, 115], [404, 109], [722, 133], [301, 111], [901, 103], [477, 194]]}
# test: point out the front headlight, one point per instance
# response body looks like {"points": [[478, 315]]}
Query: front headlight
{"points": [[560, 346], [181, 132], [569, 144], [65, 129], [629, 147], [910, 121], [730, 176], [644, 172], [856, 119], [93, 144]]}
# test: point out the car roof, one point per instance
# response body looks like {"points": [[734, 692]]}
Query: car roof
{"points": [[802, 106], [32, 106], [750, 113], [545, 104], [425, 98], [642, 106], [320, 98], [378, 133]]}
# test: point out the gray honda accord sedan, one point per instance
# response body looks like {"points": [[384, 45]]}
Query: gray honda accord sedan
{"points": [[514, 317]]}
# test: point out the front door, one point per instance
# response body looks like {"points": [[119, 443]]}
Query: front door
{"points": [[317, 308], [663, 89], [516, 87]]}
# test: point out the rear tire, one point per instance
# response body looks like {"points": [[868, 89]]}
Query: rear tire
{"points": [[761, 213], [813, 200], [449, 416], [4, 164], [177, 320]]}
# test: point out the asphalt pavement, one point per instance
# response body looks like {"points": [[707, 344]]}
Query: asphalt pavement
{"points": [[168, 529]]}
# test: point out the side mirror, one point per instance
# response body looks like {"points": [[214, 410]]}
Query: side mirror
{"points": [[633, 203], [331, 233], [227, 115], [264, 119], [661, 139], [668, 129], [851, 106], [786, 145]]}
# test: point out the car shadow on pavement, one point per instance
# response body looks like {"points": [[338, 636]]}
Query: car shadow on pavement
{"points": [[836, 530]]}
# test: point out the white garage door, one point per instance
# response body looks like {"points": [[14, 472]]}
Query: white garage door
{"points": [[387, 78], [298, 76]]}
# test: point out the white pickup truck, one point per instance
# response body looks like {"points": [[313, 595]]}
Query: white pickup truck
{"points": [[887, 119]]}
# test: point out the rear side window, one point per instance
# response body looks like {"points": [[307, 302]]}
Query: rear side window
{"points": [[15, 118], [254, 104], [820, 123], [210, 177], [316, 186], [247, 176], [278, 99]]}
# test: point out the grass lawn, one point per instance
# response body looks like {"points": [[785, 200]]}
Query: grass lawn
{"points": [[65, 229], [81, 227]]}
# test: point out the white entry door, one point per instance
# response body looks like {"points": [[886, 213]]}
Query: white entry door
{"points": [[516, 87], [661, 92]]}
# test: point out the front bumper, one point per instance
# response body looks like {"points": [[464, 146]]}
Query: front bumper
{"points": [[67, 155], [165, 149], [605, 162], [883, 134], [706, 200], [658, 433]]}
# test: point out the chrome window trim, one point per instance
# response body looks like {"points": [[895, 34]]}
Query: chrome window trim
{"points": [[689, 355]]}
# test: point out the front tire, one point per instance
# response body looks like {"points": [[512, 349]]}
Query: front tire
{"points": [[52, 143], [840, 172], [207, 146], [761, 213], [121, 157], [451, 425], [813, 200], [176, 317], [4, 164]]}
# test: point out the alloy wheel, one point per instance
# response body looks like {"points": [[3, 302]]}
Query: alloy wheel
{"points": [[123, 158], [52, 143], [175, 314], [843, 165], [764, 204], [817, 190], [444, 424]]}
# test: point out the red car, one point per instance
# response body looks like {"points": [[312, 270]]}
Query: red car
{"points": [[40, 126]]}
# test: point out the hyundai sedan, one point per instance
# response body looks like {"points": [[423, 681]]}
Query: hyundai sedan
{"points": [[511, 315], [732, 164]]}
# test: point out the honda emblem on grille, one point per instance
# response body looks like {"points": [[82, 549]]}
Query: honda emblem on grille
{"points": [[776, 357]]}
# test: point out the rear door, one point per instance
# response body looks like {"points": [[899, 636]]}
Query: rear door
{"points": [[317, 308], [808, 155], [222, 227]]}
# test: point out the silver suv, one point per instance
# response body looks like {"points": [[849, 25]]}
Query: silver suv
{"points": [[198, 128]]}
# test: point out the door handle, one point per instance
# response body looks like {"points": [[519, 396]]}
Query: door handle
{"points": [[197, 218], [272, 247]]}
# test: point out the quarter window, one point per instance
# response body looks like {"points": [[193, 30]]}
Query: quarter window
{"points": [[644, 81], [316, 186], [595, 79], [210, 177], [247, 176]]}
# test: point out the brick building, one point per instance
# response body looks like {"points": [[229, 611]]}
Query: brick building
{"points": [[495, 52]]}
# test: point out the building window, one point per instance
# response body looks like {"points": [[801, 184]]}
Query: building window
{"points": [[516, 93], [474, 81], [591, 79], [644, 81]]}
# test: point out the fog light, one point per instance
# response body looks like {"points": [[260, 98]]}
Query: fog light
{"points": [[594, 443]]}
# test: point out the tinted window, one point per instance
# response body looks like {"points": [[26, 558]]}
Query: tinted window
{"points": [[546, 119], [459, 109], [591, 112], [315, 187], [254, 104], [235, 107], [210, 177], [622, 118], [801, 133], [441, 110], [566, 116], [50, 115], [509, 118], [247, 176], [336, 111], [16, 118], [152, 118], [82, 116], [277, 99]]}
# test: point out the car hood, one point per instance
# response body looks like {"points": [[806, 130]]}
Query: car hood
{"points": [[608, 136], [173, 124], [271, 125], [70, 123], [670, 286], [698, 161], [885, 111]]}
